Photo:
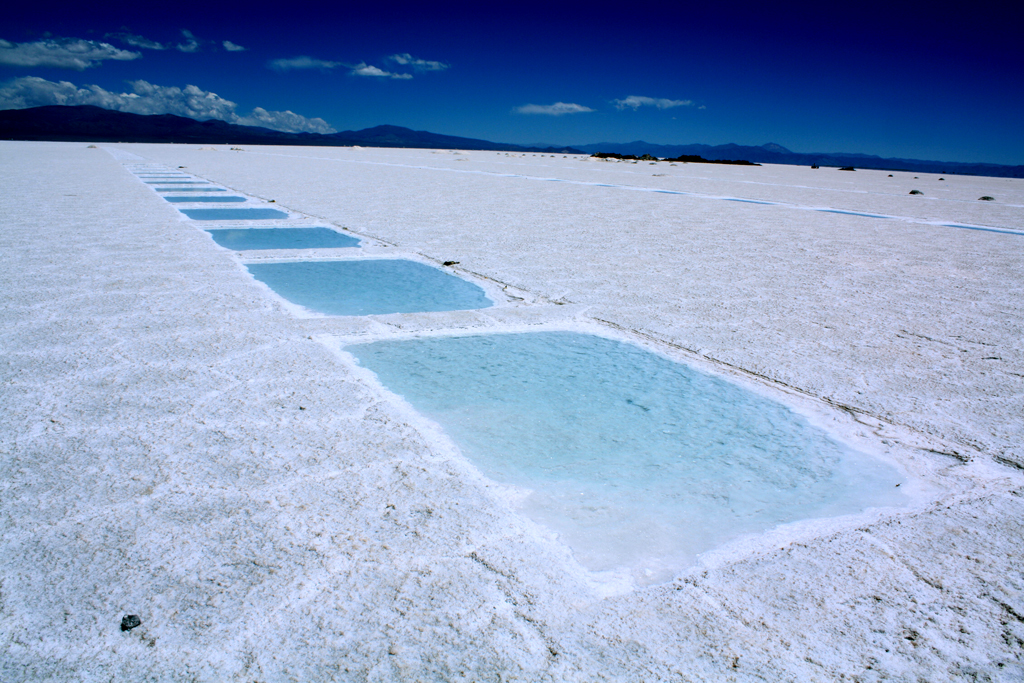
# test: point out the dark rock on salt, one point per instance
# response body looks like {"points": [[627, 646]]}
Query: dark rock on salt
{"points": [[986, 198], [130, 621], [450, 263], [916, 192]]}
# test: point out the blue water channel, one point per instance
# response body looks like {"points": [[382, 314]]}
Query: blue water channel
{"points": [[638, 462]]}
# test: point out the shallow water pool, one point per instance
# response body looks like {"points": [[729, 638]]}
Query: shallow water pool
{"points": [[190, 189], [282, 238], [218, 199], [638, 462], [370, 287], [233, 214]]}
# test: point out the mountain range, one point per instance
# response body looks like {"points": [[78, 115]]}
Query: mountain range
{"points": [[93, 124]]}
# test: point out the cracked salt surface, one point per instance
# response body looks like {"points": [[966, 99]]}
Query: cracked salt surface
{"points": [[174, 444]]}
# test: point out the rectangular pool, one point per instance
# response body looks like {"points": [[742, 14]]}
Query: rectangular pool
{"points": [[638, 462], [218, 199], [190, 189], [282, 238], [234, 214], [369, 287]]}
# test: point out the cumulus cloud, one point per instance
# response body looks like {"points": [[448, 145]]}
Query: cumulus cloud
{"points": [[634, 102], [299, 63], [556, 109], [61, 53], [136, 41], [148, 98], [191, 43], [363, 69], [407, 59], [231, 47], [286, 121]]}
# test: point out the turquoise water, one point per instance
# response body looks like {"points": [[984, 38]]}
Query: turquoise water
{"points": [[233, 214], [282, 238], [370, 287], [190, 189], [639, 463], [217, 199]]}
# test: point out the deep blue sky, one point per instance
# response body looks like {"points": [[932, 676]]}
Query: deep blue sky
{"points": [[905, 80]]}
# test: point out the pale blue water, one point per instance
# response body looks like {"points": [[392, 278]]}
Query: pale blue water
{"points": [[282, 238], [177, 182], [190, 189], [370, 287], [233, 214], [638, 462], [218, 199]]}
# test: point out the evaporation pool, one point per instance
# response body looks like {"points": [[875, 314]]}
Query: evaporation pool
{"points": [[369, 287], [234, 214], [190, 189], [638, 462], [282, 238], [218, 199]]}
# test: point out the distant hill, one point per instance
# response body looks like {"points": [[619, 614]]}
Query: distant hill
{"points": [[777, 154], [93, 124]]}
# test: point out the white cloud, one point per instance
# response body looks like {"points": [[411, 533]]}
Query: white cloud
{"points": [[287, 121], [363, 69], [634, 102], [147, 98], [407, 59], [298, 63], [556, 109], [191, 44], [64, 53], [231, 47], [136, 41]]}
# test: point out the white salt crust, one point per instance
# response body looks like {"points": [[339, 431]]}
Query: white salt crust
{"points": [[177, 443]]}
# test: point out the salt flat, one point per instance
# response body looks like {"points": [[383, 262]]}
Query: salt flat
{"points": [[176, 443]]}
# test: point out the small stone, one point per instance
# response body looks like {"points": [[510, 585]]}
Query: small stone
{"points": [[916, 192], [130, 621], [986, 198], [450, 263]]}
